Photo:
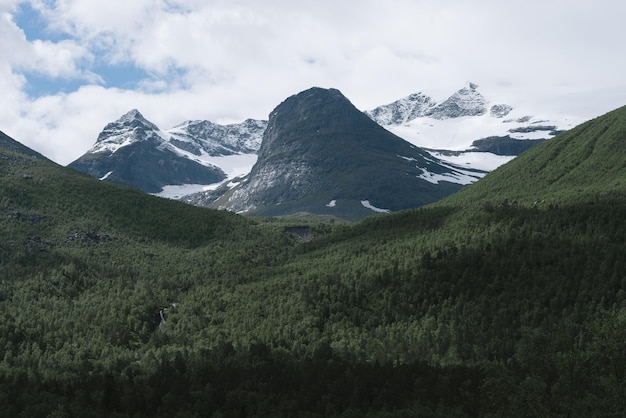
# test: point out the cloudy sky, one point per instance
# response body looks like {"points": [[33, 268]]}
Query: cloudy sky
{"points": [[68, 67]]}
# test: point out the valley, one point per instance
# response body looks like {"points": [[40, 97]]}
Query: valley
{"points": [[506, 298]]}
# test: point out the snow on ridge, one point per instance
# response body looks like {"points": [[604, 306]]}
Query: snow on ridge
{"points": [[234, 166], [457, 174], [454, 177], [368, 205], [464, 117], [237, 137], [484, 161], [178, 191]]}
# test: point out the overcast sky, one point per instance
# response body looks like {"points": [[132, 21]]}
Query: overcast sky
{"points": [[69, 67]]}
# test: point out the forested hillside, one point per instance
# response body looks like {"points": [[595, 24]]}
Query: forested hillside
{"points": [[490, 304]]}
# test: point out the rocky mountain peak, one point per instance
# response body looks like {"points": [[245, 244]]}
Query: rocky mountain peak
{"points": [[465, 102], [403, 110], [131, 122], [202, 135], [134, 118], [133, 151], [311, 116]]}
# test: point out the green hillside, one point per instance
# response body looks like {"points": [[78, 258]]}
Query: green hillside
{"points": [[586, 164], [485, 305]]}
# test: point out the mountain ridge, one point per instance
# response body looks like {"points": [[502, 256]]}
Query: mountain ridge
{"points": [[463, 130]]}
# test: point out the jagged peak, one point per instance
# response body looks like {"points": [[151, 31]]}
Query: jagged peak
{"points": [[465, 102], [128, 124], [132, 117], [470, 89]]}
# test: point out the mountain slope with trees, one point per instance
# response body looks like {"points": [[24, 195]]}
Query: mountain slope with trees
{"points": [[485, 304]]}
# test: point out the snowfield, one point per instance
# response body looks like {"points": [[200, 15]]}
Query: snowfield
{"points": [[233, 165]]}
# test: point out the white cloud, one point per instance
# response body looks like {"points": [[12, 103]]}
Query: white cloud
{"points": [[226, 61]]}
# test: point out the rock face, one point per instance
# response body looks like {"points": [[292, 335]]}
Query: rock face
{"points": [[203, 136], [402, 111], [322, 155], [465, 102]]}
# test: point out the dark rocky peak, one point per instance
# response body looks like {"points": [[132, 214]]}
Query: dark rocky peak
{"points": [[312, 105], [315, 114]]}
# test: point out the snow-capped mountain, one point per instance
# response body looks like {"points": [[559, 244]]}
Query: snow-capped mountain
{"points": [[463, 130], [466, 128], [402, 111], [127, 130], [465, 102], [135, 152]]}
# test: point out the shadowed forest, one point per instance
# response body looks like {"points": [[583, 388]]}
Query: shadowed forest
{"points": [[501, 301]]}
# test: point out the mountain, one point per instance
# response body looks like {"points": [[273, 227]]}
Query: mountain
{"points": [[466, 123], [465, 102], [464, 129], [135, 152], [322, 155]]}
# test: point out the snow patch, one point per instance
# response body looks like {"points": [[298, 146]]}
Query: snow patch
{"points": [[106, 176], [331, 204], [178, 191], [485, 161], [233, 165], [458, 174], [456, 177], [113, 143], [368, 205]]}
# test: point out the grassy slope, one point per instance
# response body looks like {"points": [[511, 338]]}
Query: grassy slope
{"points": [[69, 200]]}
